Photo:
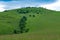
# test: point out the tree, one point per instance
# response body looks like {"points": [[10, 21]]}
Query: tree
{"points": [[22, 25]]}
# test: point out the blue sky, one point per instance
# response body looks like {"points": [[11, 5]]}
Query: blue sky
{"points": [[31, 0], [13, 4]]}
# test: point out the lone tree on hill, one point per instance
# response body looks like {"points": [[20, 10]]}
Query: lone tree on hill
{"points": [[22, 25]]}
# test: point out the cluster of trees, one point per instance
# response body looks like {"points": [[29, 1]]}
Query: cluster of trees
{"points": [[22, 26], [22, 11], [29, 10]]}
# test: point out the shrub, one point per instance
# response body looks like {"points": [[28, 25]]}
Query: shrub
{"points": [[15, 31], [37, 13], [29, 15], [33, 15], [26, 30]]}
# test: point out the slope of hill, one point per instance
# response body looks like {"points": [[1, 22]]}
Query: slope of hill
{"points": [[43, 24]]}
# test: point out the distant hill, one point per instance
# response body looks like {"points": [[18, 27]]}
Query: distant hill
{"points": [[39, 20]]}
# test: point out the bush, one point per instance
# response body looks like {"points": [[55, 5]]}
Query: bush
{"points": [[29, 15], [26, 30], [37, 13], [15, 31], [33, 15]]}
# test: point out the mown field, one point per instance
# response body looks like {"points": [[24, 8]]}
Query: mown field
{"points": [[43, 24]]}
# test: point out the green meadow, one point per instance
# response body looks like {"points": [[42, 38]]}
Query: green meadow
{"points": [[43, 24]]}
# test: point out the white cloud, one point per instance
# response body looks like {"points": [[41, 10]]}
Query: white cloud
{"points": [[52, 6], [2, 7], [17, 4]]}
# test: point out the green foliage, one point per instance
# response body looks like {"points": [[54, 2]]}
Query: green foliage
{"points": [[22, 26], [11, 21], [40, 27], [29, 15], [33, 15], [30, 10]]}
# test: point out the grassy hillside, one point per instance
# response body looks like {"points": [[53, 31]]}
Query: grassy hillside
{"points": [[43, 24]]}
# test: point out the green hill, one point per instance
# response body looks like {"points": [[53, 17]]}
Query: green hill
{"points": [[43, 24]]}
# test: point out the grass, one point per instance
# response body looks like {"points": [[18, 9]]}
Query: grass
{"points": [[31, 36], [45, 26]]}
